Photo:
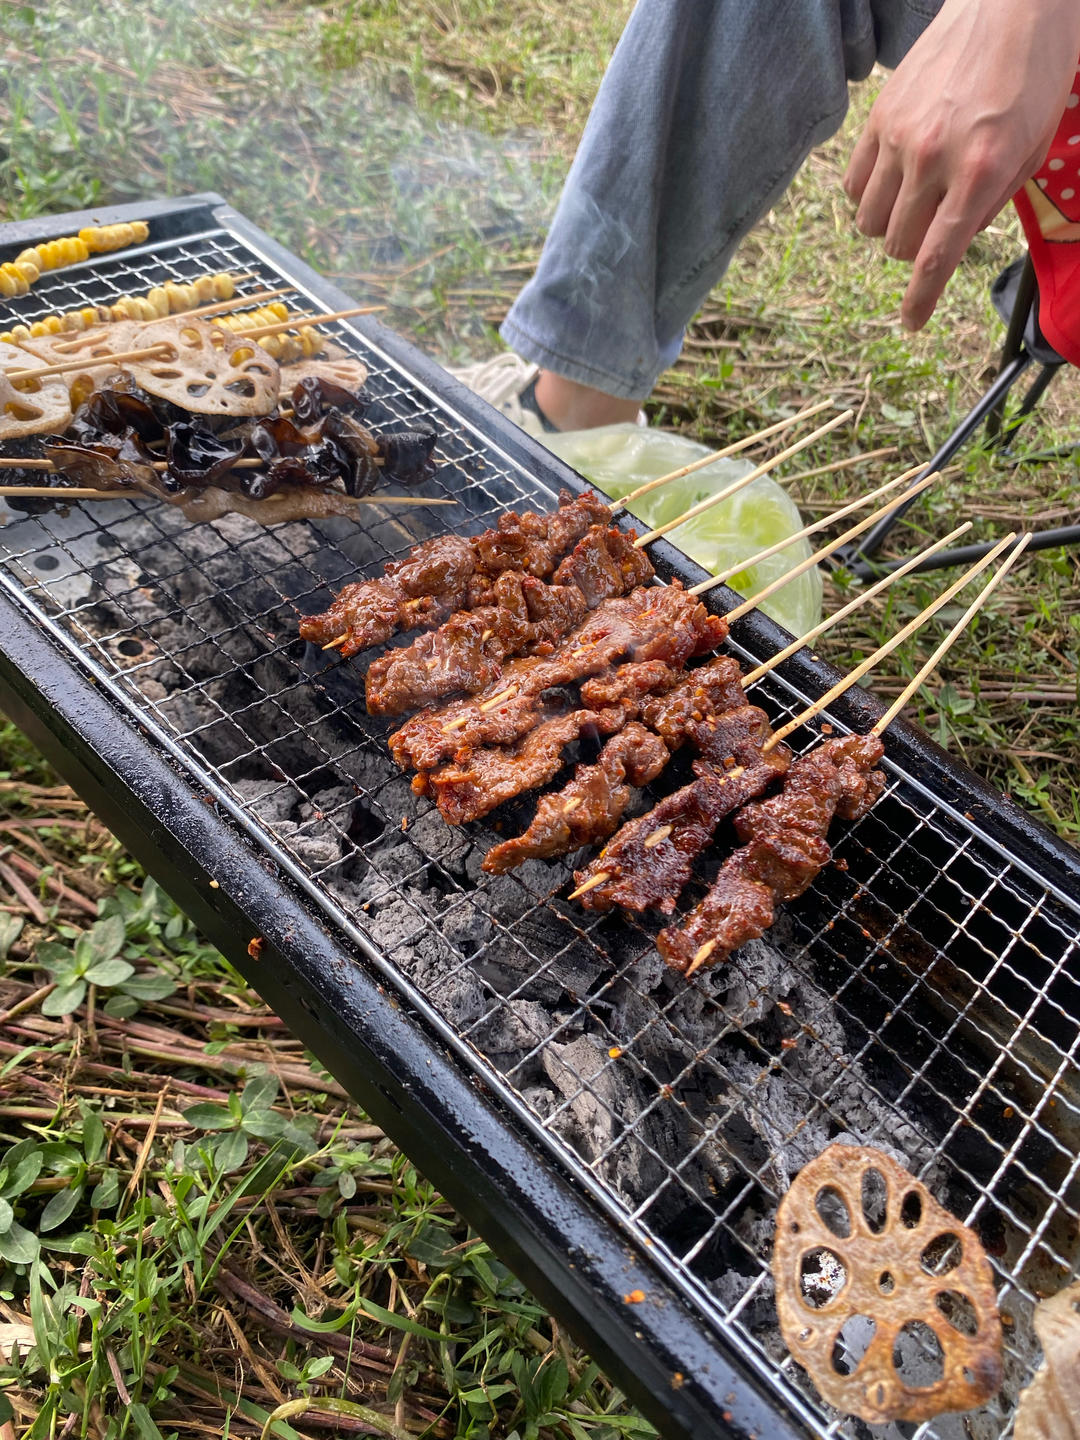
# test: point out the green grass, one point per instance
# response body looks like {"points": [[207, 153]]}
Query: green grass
{"points": [[252, 1249]]}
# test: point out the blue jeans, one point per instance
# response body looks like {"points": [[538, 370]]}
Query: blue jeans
{"points": [[707, 110]]}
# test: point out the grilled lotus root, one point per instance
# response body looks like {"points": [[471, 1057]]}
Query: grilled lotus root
{"points": [[350, 374], [1049, 1408], [859, 1239], [42, 407], [206, 370]]}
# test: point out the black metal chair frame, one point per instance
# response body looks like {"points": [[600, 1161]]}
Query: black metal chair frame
{"points": [[1015, 296]]}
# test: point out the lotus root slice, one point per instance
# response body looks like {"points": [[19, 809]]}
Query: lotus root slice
{"points": [[867, 1260], [1049, 1408], [206, 369], [43, 407], [350, 374]]}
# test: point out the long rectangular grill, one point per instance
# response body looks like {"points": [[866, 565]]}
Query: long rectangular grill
{"points": [[924, 996]]}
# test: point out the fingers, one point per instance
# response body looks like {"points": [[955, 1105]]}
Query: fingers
{"points": [[879, 195], [912, 215], [947, 237], [860, 166]]}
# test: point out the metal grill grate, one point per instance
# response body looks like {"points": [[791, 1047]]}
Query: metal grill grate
{"points": [[924, 996]]}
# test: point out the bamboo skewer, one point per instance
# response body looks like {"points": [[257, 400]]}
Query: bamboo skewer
{"points": [[860, 599], [259, 332], [739, 445], [890, 645], [84, 492], [812, 529], [828, 549], [954, 634], [755, 474]]}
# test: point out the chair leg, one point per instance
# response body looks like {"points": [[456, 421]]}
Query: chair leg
{"points": [[1014, 337]]}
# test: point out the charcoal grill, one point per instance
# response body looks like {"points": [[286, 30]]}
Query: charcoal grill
{"points": [[620, 1137]]}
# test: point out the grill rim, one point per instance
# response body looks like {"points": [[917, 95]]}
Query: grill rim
{"points": [[1018, 838]]}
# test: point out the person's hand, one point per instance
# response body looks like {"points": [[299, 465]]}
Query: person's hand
{"points": [[966, 118]]}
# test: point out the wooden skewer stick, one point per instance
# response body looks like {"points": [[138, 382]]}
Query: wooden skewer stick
{"points": [[750, 440], [335, 643], [259, 332], [85, 492], [901, 635], [860, 599], [954, 634], [201, 312], [590, 884], [847, 464], [732, 489], [812, 529]]}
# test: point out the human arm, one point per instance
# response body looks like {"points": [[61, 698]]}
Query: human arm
{"points": [[964, 120]]}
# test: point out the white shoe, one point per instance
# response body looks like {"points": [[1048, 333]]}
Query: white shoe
{"points": [[502, 381]]}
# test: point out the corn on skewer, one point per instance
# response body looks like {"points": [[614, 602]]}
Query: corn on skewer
{"points": [[172, 298], [16, 276]]}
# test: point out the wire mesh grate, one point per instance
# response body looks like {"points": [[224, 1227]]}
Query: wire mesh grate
{"points": [[924, 996]]}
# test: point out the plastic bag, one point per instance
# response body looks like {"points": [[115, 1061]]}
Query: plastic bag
{"points": [[618, 458]]}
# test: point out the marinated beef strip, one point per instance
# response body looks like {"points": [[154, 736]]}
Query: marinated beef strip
{"points": [[651, 858], [491, 776], [651, 623], [784, 849], [535, 543], [479, 779], [416, 592], [451, 572], [591, 805], [467, 651]]}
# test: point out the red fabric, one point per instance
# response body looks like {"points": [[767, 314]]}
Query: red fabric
{"points": [[1049, 206]]}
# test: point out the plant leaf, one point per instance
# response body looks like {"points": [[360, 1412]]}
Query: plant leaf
{"points": [[18, 1246], [23, 1165], [10, 930], [7, 1216], [60, 1207], [65, 998], [231, 1150], [113, 971], [93, 1135], [208, 1116]]}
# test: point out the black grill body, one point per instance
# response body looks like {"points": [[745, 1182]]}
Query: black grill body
{"points": [[611, 1130]]}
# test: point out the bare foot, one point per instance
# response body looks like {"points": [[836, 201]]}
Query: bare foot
{"points": [[571, 406]]}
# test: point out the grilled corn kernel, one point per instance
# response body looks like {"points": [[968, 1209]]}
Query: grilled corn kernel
{"points": [[53, 324], [30, 257], [28, 270], [204, 288], [8, 287], [73, 320], [224, 285], [159, 301]]}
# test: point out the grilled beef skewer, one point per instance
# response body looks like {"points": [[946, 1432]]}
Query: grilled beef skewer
{"points": [[525, 614], [488, 775], [590, 806], [451, 572], [651, 623], [651, 858], [784, 849]]}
